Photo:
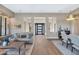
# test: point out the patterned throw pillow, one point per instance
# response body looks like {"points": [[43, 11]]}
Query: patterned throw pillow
{"points": [[5, 43], [23, 36]]}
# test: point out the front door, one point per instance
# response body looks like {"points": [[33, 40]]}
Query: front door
{"points": [[39, 29]]}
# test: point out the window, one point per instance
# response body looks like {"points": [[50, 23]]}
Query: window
{"points": [[52, 24], [27, 25], [51, 27]]}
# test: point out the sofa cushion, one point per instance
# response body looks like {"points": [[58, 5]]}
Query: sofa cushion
{"points": [[4, 43], [30, 35], [18, 35]]}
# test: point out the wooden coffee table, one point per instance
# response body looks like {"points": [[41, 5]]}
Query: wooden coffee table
{"points": [[13, 44]]}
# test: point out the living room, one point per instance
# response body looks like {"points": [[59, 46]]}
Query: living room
{"points": [[27, 25]]}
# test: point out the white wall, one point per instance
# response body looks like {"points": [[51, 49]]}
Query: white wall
{"points": [[60, 20]]}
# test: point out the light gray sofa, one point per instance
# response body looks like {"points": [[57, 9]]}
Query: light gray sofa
{"points": [[25, 36]]}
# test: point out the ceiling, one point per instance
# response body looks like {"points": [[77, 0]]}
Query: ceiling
{"points": [[42, 8]]}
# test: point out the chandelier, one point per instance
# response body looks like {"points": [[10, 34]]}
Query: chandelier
{"points": [[70, 17]]}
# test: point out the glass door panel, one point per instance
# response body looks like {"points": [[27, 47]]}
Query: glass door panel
{"points": [[39, 28]]}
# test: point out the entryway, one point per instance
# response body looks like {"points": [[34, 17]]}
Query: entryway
{"points": [[39, 28]]}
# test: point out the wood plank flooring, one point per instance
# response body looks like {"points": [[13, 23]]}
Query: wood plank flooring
{"points": [[42, 46]]}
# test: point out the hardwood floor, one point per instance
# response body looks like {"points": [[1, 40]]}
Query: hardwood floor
{"points": [[42, 46]]}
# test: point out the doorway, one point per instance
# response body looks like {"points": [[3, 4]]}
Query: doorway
{"points": [[39, 28]]}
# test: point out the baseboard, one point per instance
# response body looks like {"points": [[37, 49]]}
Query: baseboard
{"points": [[50, 38]]}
